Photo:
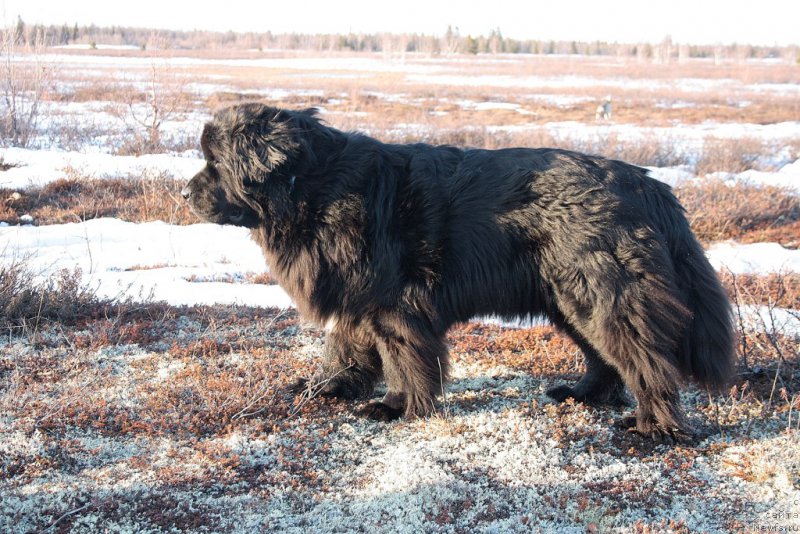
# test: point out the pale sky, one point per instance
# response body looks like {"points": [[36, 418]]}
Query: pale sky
{"points": [[693, 21]]}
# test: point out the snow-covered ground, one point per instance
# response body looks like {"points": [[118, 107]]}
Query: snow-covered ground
{"points": [[41, 167]]}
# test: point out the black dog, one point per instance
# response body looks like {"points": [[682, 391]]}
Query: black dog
{"points": [[390, 245]]}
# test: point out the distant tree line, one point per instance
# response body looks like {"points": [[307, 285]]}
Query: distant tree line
{"points": [[451, 42]]}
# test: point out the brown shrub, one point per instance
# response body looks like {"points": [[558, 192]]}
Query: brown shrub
{"points": [[103, 91], [74, 199], [208, 395], [539, 350], [222, 99], [718, 210], [788, 235], [769, 364], [775, 289], [729, 155], [25, 302]]}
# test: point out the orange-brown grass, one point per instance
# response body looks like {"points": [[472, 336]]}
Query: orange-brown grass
{"points": [[215, 380], [730, 155], [77, 199], [788, 235], [104, 91], [776, 289], [541, 351], [718, 210], [210, 394]]}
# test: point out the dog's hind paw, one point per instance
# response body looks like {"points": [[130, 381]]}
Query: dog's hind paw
{"points": [[378, 411], [654, 431]]}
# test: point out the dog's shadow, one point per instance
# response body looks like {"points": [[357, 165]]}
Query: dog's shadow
{"points": [[568, 421]]}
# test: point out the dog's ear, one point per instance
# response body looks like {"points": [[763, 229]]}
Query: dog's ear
{"points": [[208, 142]]}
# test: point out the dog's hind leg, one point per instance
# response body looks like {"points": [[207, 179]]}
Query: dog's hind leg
{"points": [[623, 300], [351, 366], [415, 365], [600, 385]]}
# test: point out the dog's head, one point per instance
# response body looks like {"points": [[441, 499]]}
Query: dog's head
{"points": [[252, 152]]}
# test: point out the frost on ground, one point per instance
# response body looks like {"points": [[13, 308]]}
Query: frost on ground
{"points": [[150, 416], [176, 418]]}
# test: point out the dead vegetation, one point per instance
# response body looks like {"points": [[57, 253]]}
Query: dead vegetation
{"points": [[719, 210], [147, 417], [76, 199], [28, 302]]}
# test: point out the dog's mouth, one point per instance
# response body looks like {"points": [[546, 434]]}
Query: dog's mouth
{"points": [[234, 216]]}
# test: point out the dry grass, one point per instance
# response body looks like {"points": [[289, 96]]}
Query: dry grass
{"points": [[658, 95], [767, 352], [26, 302], [718, 210], [540, 351], [730, 155], [75, 199], [776, 289]]}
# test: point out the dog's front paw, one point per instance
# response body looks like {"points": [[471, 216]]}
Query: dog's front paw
{"points": [[378, 411], [560, 393]]}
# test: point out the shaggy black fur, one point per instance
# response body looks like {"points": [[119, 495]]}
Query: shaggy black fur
{"points": [[390, 245]]}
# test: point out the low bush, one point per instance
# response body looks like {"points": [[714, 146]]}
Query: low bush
{"points": [[720, 210], [75, 199], [26, 301]]}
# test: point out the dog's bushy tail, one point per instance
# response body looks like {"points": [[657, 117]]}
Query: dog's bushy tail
{"points": [[706, 353]]}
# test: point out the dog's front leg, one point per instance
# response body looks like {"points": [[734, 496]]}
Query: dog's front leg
{"points": [[415, 365], [350, 368]]}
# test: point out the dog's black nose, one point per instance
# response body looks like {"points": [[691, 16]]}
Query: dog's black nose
{"points": [[186, 192]]}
